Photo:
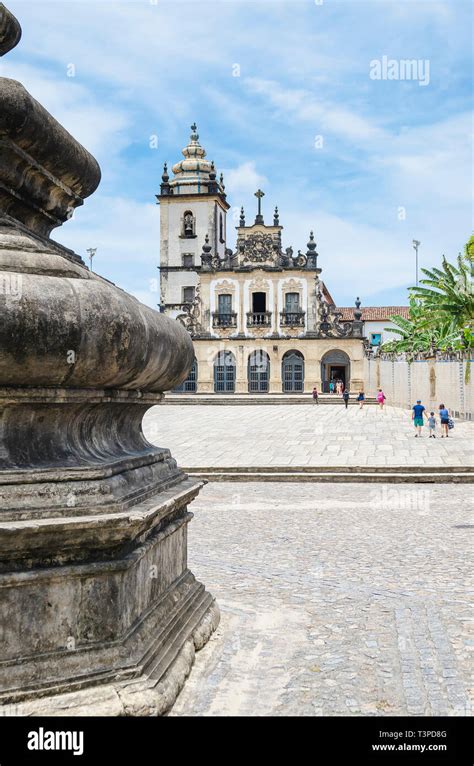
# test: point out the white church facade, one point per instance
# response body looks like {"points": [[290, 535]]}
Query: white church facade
{"points": [[261, 318]]}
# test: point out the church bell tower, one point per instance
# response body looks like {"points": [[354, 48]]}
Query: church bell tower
{"points": [[193, 205]]}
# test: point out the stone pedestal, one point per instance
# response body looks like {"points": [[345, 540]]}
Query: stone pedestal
{"points": [[99, 613]]}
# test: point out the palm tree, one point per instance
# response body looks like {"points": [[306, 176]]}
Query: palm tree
{"points": [[441, 314], [411, 337], [416, 335], [449, 295]]}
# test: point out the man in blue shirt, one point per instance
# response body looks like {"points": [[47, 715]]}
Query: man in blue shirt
{"points": [[417, 417]]}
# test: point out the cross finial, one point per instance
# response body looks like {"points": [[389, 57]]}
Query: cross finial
{"points": [[194, 127], [259, 194]]}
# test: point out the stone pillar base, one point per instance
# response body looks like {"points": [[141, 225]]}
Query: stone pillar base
{"points": [[144, 695], [111, 634]]}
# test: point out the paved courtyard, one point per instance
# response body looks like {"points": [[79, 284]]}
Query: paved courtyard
{"points": [[335, 599], [299, 435]]}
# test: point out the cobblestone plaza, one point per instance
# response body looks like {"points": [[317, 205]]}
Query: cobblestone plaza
{"points": [[335, 599], [285, 435]]}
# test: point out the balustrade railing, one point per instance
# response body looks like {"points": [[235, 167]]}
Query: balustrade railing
{"points": [[259, 318]]}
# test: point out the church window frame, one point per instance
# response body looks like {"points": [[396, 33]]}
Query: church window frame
{"points": [[188, 260], [224, 303], [189, 293]]}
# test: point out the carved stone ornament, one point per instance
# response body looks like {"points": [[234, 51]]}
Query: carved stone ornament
{"points": [[224, 286], [259, 284], [259, 248], [329, 324], [292, 285], [191, 317]]}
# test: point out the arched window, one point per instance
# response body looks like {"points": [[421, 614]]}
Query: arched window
{"points": [[189, 385], [189, 224], [258, 372], [292, 372], [224, 373], [221, 228]]}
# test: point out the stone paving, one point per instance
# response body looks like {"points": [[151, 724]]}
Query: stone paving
{"points": [[335, 599], [286, 435]]}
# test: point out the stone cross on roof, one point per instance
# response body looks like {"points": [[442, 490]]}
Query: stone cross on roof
{"points": [[259, 194]]}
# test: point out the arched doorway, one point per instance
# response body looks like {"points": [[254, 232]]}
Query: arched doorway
{"points": [[292, 372], [258, 372], [335, 365], [224, 373], [189, 385]]}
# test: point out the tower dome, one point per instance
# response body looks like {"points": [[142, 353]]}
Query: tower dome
{"points": [[191, 175]]}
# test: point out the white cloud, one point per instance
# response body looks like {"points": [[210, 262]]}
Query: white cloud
{"points": [[297, 104], [243, 179], [432, 162]]}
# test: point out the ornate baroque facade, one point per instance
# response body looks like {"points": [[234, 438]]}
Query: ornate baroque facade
{"points": [[261, 318]]}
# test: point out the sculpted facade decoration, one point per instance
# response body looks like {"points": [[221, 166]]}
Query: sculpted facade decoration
{"points": [[259, 248], [191, 316], [224, 286], [329, 324], [259, 284]]}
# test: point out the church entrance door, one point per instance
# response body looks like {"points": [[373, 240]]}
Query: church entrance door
{"points": [[335, 365]]}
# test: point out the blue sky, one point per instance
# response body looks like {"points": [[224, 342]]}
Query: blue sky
{"points": [[395, 159]]}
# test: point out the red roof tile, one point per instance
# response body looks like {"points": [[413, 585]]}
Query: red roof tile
{"points": [[374, 313]]}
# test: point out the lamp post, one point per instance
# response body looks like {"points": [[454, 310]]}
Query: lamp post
{"points": [[416, 245], [92, 251]]}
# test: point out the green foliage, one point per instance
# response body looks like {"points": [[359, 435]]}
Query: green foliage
{"points": [[441, 313]]}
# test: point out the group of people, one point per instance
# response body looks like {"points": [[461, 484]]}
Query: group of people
{"points": [[336, 385], [344, 392], [418, 410], [419, 414]]}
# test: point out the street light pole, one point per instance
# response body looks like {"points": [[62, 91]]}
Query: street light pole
{"points": [[92, 251], [416, 245]]}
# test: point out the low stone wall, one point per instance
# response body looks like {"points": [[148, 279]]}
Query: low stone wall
{"points": [[434, 381]]}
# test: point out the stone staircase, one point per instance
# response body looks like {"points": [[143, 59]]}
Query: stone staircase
{"points": [[370, 474], [239, 399]]}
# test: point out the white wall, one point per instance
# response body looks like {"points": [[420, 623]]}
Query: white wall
{"points": [[404, 383], [172, 247], [379, 326]]}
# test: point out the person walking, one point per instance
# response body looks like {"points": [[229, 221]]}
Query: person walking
{"points": [[315, 395], [345, 396], [381, 398], [432, 425], [417, 416], [444, 417], [361, 399], [331, 386]]}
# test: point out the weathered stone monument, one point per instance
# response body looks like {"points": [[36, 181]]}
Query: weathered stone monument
{"points": [[98, 610]]}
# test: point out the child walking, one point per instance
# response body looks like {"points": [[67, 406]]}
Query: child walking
{"points": [[432, 425]]}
